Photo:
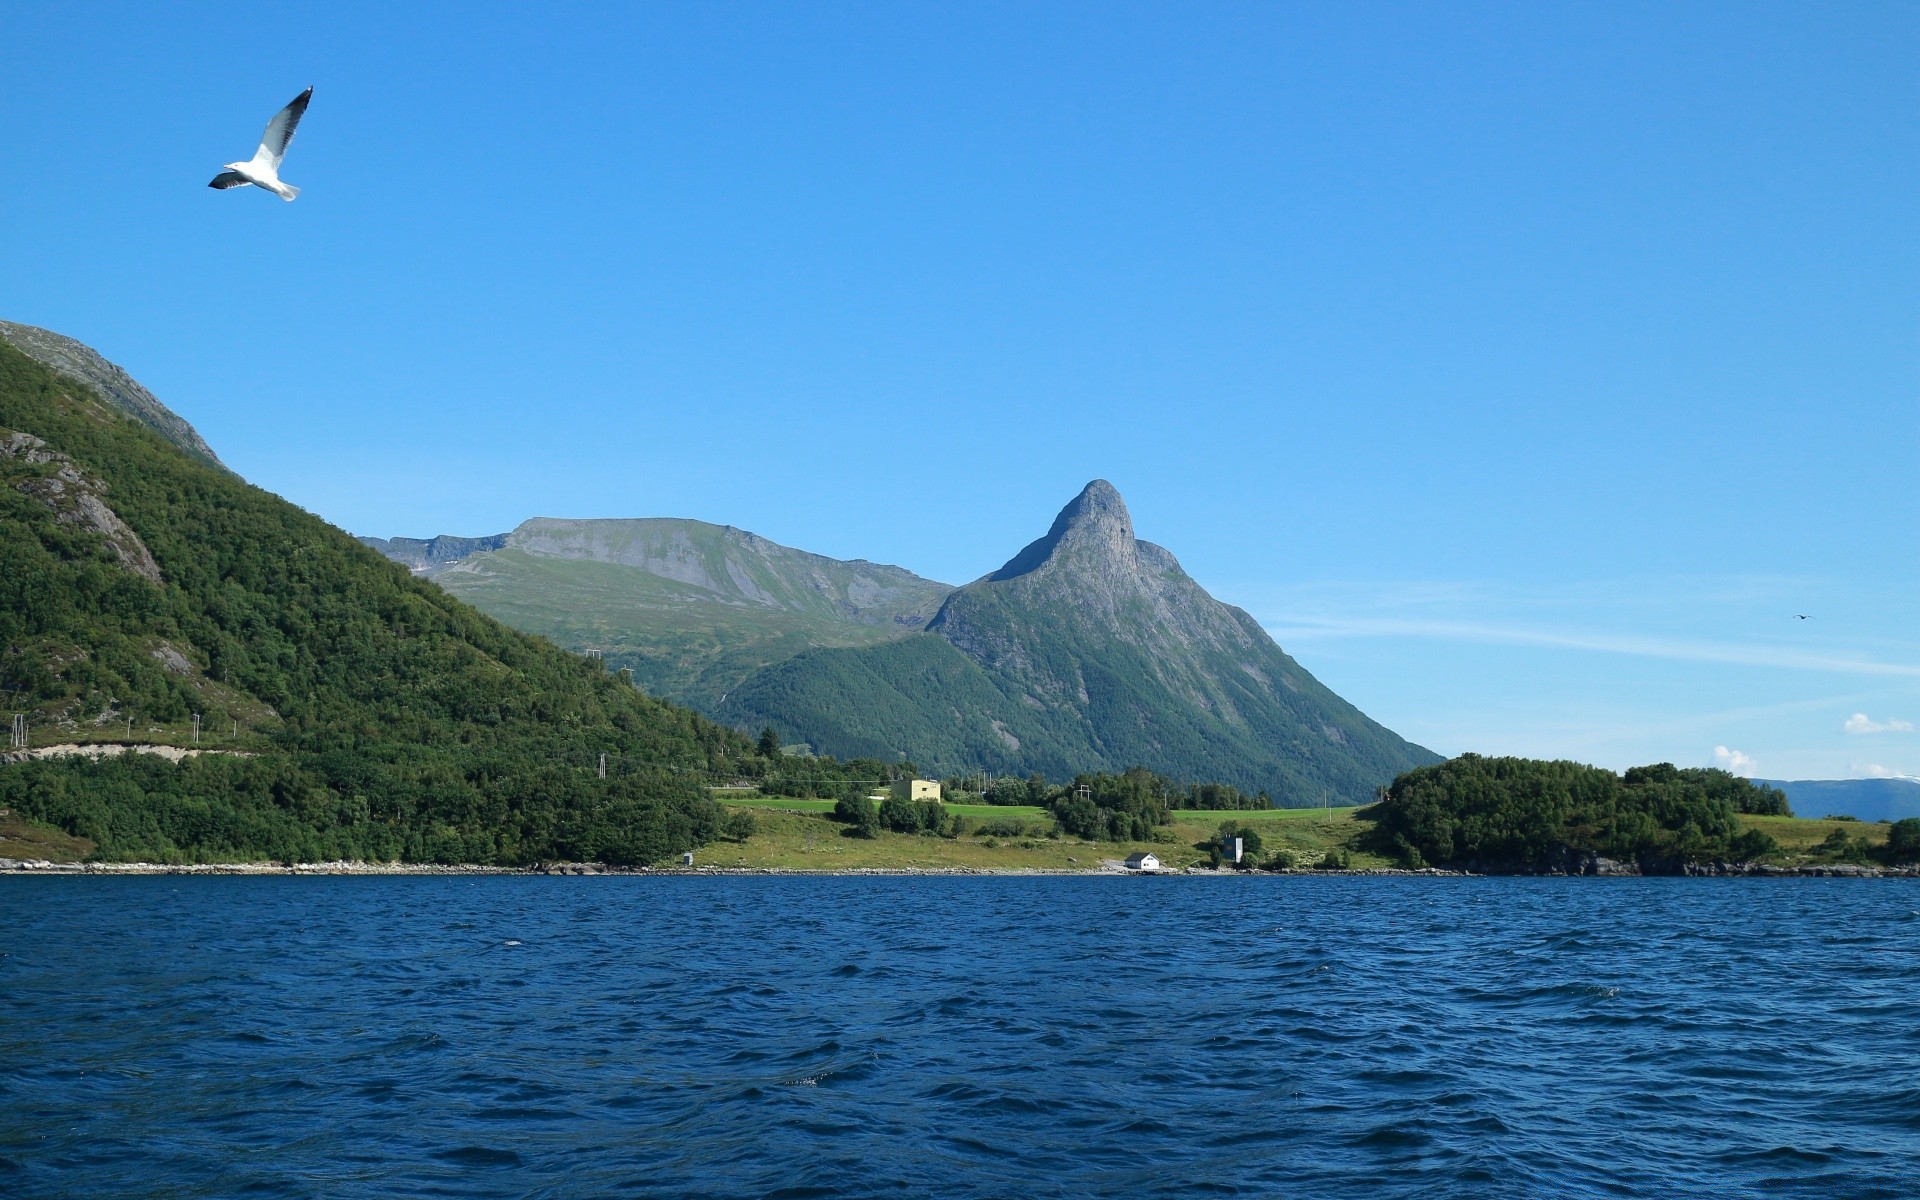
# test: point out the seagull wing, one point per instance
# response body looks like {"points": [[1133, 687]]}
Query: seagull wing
{"points": [[279, 131], [229, 179]]}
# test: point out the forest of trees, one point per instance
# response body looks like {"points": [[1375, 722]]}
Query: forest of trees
{"points": [[1526, 814], [1120, 808], [376, 716], [1033, 790]]}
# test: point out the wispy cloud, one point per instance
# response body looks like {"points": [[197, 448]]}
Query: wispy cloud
{"points": [[1861, 723], [1309, 628], [1733, 761]]}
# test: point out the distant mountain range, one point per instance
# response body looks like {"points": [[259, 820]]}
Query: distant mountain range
{"points": [[1089, 649], [692, 609], [1865, 799]]}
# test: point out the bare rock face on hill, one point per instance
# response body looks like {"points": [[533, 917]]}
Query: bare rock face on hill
{"points": [[430, 556], [1089, 649], [735, 567], [81, 362], [76, 498], [1090, 575]]}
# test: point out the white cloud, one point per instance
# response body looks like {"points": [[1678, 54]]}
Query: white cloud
{"points": [[1861, 723], [1875, 771], [1733, 761]]}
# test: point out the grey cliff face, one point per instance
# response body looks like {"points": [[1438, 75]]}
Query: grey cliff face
{"points": [[1091, 574], [736, 567], [430, 556], [78, 499], [82, 363]]}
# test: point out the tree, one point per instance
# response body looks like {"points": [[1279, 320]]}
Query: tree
{"points": [[900, 815], [769, 746], [1518, 814], [741, 824], [857, 811], [1903, 839]]}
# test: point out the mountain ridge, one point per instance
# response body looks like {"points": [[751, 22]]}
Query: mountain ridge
{"points": [[82, 363], [1864, 799], [1088, 649], [690, 607]]}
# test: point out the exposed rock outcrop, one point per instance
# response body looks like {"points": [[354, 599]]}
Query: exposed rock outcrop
{"points": [[77, 499], [430, 556]]}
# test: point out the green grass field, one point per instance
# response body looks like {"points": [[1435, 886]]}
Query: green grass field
{"points": [[1799, 835], [799, 834]]}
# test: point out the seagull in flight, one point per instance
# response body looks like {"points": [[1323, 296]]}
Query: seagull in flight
{"points": [[1803, 616], [263, 169]]}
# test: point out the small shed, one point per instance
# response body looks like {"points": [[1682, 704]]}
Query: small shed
{"points": [[1146, 860], [916, 789], [1232, 849], [686, 859]]}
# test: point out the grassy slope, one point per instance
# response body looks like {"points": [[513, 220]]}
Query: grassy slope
{"points": [[799, 835], [1799, 835], [681, 644], [24, 839], [387, 717]]}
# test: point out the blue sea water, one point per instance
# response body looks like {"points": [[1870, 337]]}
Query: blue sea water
{"points": [[974, 1037]]}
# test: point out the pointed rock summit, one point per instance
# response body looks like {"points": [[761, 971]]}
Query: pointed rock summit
{"points": [[1090, 649], [1093, 526]]}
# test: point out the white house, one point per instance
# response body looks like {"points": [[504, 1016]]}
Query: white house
{"points": [[916, 789], [1146, 860]]}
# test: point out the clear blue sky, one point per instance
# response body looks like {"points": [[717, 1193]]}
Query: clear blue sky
{"points": [[1524, 367]]}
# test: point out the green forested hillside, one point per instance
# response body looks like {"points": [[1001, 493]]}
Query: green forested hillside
{"points": [[376, 715], [1089, 651], [1522, 814]]}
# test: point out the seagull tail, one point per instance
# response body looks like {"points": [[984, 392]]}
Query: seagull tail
{"points": [[287, 192]]}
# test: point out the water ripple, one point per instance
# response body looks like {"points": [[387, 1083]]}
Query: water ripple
{"points": [[573, 1037]]}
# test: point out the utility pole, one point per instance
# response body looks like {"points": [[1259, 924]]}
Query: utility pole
{"points": [[18, 732], [196, 729]]}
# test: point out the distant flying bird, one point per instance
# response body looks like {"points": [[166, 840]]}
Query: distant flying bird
{"points": [[263, 169], [1803, 616]]}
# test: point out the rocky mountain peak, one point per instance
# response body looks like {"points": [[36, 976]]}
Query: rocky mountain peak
{"points": [[1094, 525]]}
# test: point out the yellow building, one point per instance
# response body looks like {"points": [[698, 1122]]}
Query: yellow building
{"points": [[916, 789]]}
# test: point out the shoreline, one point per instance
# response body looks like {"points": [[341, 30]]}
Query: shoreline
{"points": [[12, 866]]}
